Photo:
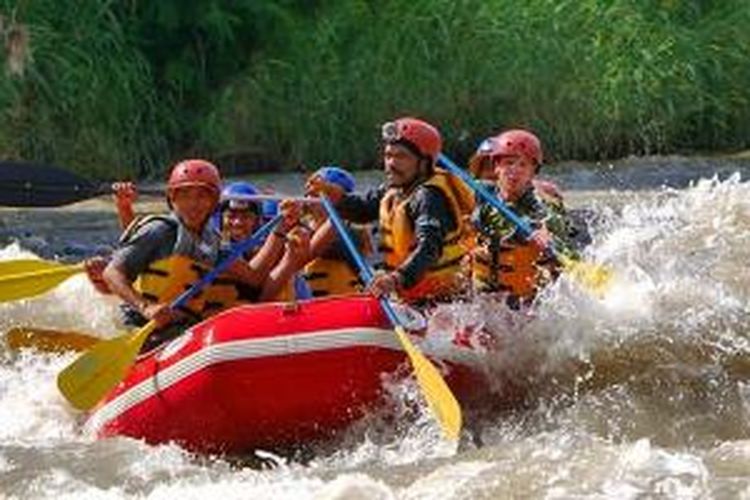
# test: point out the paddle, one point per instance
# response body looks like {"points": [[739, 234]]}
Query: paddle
{"points": [[437, 393], [25, 184], [85, 381], [21, 279], [48, 340], [593, 276]]}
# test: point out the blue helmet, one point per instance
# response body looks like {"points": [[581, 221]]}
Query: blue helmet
{"points": [[232, 193], [338, 176], [239, 188], [231, 196]]}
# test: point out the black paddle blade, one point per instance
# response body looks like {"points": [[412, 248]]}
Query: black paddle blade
{"points": [[25, 184]]}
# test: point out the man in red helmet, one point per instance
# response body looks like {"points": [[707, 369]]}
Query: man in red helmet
{"points": [[421, 213], [503, 260]]}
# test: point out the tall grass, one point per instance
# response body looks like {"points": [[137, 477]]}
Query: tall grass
{"points": [[113, 89], [596, 79], [84, 98]]}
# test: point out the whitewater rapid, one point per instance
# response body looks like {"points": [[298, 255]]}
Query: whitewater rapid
{"points": [[644, 391]]}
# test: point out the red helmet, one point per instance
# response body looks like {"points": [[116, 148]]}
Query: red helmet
{"points": [[195, 173], [515, 142], [419, 136]]}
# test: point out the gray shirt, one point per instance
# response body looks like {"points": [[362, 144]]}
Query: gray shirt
{"points": [[160, 237]]}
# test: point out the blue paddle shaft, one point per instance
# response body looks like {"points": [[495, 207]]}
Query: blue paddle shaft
{"points": [[238, 250], [365, 271]]}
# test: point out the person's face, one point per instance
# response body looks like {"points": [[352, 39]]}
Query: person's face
{"points": [[514, 175], [239, 223], [193, 204], [400, 164]]}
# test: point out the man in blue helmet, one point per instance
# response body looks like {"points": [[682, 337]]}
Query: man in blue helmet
{"points": [[274, 264], [331, 272], [238, 215]]}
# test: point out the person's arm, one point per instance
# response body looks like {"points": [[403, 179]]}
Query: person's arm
{"points": [[131, 260], [322, 239], [297, 251], [255, 271], [121, 285], [432, 219], [361, 208], [558, 223], [125, 194], [94, 268]]}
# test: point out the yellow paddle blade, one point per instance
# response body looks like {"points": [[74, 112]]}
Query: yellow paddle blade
{"points": [[8, 267], [439, 396], [25, 284], [595, 277], [97, 371], [48, 340]]}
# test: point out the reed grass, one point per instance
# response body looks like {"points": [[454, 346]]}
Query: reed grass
{"points": [[115, 89], [85, 98], [596, 79]]}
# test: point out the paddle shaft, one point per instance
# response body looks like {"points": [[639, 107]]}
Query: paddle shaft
{"points": [[364, 269], [238, 250], [438, 395]]}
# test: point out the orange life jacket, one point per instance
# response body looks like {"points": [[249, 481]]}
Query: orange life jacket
{"points": [[443, 278], [516, 267]]}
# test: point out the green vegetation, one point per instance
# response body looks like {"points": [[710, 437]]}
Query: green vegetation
{"points": [[123, 88]]}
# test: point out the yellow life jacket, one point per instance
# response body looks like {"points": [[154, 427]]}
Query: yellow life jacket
{"points": [[286, 293], [327, 276], [443, 278], [165, 279], [519, 268], [225, 292], [331, 274]]}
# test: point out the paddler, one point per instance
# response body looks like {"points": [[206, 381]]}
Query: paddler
{"points": [[421, 214], [503, 261], [237, 217], [331, 272], [481, 166]]}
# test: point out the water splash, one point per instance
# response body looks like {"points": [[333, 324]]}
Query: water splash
{"points": [[73, 305]]}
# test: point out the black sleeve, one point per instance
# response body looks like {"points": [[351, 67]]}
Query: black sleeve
{"points": [[362, 208], [431, 215]]}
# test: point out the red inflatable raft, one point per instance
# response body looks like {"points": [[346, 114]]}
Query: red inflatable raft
{"points": [[268, 376]]}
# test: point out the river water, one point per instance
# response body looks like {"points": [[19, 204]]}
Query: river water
{"points": [[641, 393]]}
